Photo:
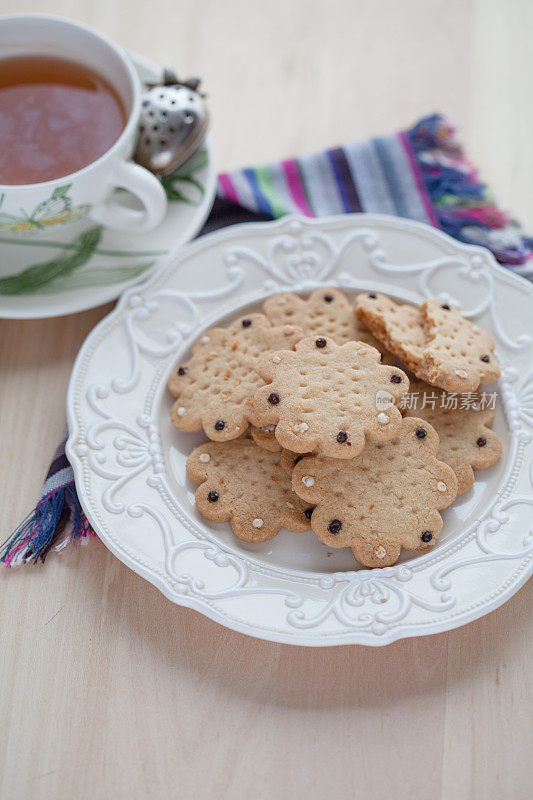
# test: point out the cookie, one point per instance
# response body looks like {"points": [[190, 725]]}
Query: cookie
{"points": [[246, 485], [288, 460], [396, 325], [387, 498], [466, 441], [214, 388], [326, 312], [433, 341], [329, 398], [458, 355], [265, 437]]}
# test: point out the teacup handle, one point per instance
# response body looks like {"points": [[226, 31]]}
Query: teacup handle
{"points": [[142, 184]]}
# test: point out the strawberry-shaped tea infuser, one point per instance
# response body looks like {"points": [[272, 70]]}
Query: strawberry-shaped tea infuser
{"points": [[172, 124]]}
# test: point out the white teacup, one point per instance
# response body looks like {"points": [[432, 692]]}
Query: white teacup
{"points": [[89, 190]]}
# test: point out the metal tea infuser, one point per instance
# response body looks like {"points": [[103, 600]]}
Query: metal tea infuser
{"points": [[172, 125]]}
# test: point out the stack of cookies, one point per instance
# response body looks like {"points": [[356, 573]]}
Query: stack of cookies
{"points": [[306, 409]]}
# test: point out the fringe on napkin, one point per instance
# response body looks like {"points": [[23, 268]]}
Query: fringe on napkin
{"points": [[463, 206], [57, 520]]}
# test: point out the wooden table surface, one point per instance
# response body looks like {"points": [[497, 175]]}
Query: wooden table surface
{"points": [[110, 691]]}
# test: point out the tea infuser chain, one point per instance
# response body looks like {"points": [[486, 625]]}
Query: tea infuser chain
{"points": [[171, 79]]}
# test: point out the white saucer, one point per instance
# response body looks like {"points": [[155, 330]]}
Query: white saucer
{"points": [[120, 259]]}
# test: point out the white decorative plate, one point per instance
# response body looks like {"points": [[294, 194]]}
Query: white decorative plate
{"points": [[118, 260], [129, 461]]}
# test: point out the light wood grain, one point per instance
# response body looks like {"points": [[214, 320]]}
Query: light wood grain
{"points": [[108, 690]]}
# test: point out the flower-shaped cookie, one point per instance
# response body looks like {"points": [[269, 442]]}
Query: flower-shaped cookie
{"points": [[458, 355], [328, 398], [288, 460], [215, 387], [326, 312], [463, 425], [246, 485], [434, 341], [387, 498], [265, 437], [396, 325]]}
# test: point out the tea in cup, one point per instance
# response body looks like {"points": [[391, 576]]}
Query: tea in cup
{"points": [[69, 107]]}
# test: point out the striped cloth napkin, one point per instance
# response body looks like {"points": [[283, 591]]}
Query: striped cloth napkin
{"points": [[421, 174]]}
